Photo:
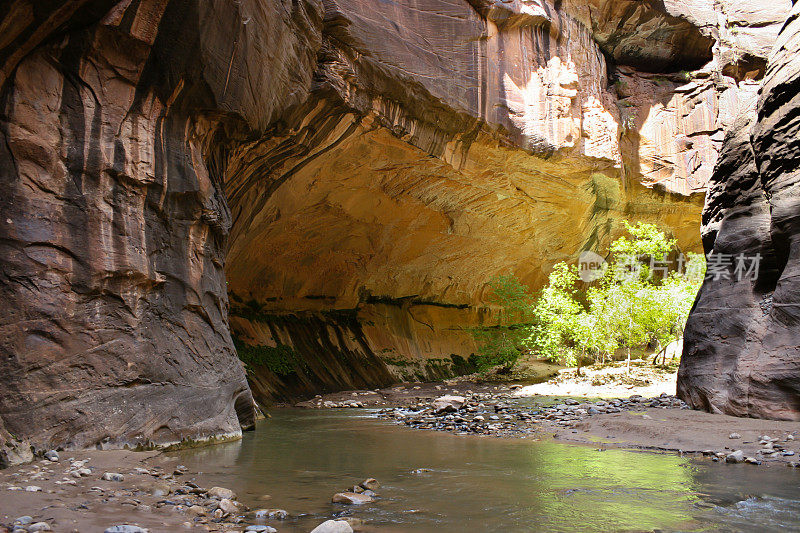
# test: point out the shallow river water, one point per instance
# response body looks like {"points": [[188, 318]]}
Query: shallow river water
{"points": [[474, 484]]}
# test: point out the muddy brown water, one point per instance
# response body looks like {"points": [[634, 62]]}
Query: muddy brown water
{"points": [[302, 457]]}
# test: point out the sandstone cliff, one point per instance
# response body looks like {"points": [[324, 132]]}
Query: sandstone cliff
{"points": [[740, 352], [351, 173]]}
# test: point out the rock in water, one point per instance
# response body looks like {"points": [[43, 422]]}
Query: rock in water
{"points": [[735, 457], [370, 484], [231, 506], [333, 526], [125, 528], [221, 493], [351, 498], [272, 514], [447, 404]]}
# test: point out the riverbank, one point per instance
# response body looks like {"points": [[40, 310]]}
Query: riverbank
{"points": [[120, 491], [96, 490], [610, 405]]}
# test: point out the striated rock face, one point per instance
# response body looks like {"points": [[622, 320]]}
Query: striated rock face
{"points": [[352, 173], [114, 224], [741, 351]]}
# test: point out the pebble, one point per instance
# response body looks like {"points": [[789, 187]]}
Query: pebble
{"points": [[734, 436], [512, 419], [113, 476], [52, 455], [39, 526], [265, 529], [125, 528], [33, 488]]}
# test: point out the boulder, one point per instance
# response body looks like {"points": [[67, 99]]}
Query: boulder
{"points": [[448, 403], [333, 526]]}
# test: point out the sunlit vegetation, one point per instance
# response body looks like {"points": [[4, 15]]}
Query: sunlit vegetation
{"points": [[641, 298]]}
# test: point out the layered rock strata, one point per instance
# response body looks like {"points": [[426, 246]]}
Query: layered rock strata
{"points": [[378, 161]]}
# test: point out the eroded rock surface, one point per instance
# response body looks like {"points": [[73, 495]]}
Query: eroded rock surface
{"points": [[741, 351], [378, 161]]}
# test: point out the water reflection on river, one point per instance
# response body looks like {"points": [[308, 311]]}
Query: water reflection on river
{"points": [[302, 457]]}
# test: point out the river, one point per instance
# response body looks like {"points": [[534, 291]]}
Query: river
{"points": [[302, 457]]}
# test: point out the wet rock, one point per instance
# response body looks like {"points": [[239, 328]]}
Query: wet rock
{"points": [[333, 526], [735, 457], [272, 514], [196, 510], [370, 484], [221, 493], [231, 506], [51, 455], [160, 490], [351, 498], [448, 403], [261, 529], [125, 528]]}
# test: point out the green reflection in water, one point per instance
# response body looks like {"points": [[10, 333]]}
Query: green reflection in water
{"points": [[476, 484]]}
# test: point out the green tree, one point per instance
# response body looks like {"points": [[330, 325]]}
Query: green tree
{"points": [[627, 307]]}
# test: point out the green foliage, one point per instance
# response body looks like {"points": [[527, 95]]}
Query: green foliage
{"points": [[626, 308], [502, 345], [281, 359]]}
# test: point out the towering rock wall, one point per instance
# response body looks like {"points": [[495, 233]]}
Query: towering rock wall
{"points": [[741, 354], [351, 173], [114, 223]]}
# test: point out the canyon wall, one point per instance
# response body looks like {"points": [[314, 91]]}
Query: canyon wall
{"points": [[741, 353], [352, 174]]}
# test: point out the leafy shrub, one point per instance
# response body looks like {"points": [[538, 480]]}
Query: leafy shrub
{"points": [[629, 306], [281, 359]]}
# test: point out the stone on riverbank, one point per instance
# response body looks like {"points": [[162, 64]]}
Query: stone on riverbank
{"points": [[113, 476], [231, 506], [735, 457], [448, 404], [221, 493], [125, 528]]}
